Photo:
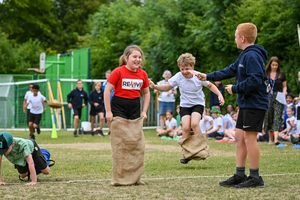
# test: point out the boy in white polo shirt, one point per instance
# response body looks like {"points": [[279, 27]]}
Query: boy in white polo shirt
{"points": [[37, 102], [192, 100]]}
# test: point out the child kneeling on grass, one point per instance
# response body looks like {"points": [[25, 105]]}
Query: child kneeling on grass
{"points": [[25, 155]]}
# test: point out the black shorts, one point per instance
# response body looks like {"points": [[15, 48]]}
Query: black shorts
{"points": [[35, 118], [77, 111], [96, 110], [126, 108], [250, 119], [39, 161], [189, 111]]}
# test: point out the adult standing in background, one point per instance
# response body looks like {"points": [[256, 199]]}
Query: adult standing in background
{"points": [[166, 99], [273, 118]]}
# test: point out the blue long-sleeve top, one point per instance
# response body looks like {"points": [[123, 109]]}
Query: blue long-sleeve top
{"points": [[77, 97], [249, 71]]}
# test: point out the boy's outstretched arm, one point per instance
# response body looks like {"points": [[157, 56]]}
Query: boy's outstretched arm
{"points": [[1, 178], [163, 87], [215, 90], [32, 171]]}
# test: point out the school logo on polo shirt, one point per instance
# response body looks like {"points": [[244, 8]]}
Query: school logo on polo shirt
{"points": [[132, 84]]}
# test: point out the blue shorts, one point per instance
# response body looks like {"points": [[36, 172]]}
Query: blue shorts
{"points": [[166, 106]]}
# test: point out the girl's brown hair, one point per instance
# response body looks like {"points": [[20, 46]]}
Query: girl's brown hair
{"points": [[129, 49]]}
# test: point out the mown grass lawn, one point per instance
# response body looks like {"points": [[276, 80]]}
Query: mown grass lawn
{"points": [[83, 171]]}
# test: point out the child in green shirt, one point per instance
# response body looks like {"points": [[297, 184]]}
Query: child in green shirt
{"points": [[25, 155]]}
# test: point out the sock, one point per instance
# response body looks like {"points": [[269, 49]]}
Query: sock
{"points": [[240, 171], [254, 173]]}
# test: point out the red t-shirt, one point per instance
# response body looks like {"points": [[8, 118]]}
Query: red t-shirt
{"points": [[128, 84]]}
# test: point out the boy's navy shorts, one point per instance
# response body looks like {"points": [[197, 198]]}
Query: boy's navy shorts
{"points": [[250, 119], [77, 111], [39, 161]]}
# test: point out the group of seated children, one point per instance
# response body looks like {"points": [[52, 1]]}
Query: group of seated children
{"points": [[222, 127], [217, 126], [213, 124]]}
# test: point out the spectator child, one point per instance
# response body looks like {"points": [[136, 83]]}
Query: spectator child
{"points": [[171, 126], [97, 108], [207, 122], [217, 131], [77, 99], [291, 133]]}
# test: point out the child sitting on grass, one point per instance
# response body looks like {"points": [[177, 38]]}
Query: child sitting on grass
{"points": [[25, 155], [171, 126], [291, 133]]}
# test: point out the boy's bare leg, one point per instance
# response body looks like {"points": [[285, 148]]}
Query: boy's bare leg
{"points": [[92, 120], [101, 120], [195, 119], [186, 126], [76, 121], [253, 151], [241, 150]]}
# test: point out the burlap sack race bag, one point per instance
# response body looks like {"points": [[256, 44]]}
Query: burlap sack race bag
{"points": [[128, 147], [195, 147]]}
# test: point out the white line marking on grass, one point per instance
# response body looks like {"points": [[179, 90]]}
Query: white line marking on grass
{"points": [[150, 178]]}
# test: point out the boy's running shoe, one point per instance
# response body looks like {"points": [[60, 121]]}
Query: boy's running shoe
{"points": [[251, 182], [233, 181], [38, 130]]}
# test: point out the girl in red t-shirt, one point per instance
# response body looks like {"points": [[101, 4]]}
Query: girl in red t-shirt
{"points": [[129, 81]]}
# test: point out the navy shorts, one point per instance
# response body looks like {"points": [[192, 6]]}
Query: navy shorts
{"points": [[250, 119], [96, 110], [77, 112]]}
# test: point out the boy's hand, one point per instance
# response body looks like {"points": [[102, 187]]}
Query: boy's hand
{"points": [[2, 183], [200, 76], [221, 100], [228, 88], [32, 183]]}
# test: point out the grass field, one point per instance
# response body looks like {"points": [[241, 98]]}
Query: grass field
{"points": [[83, 171]]}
